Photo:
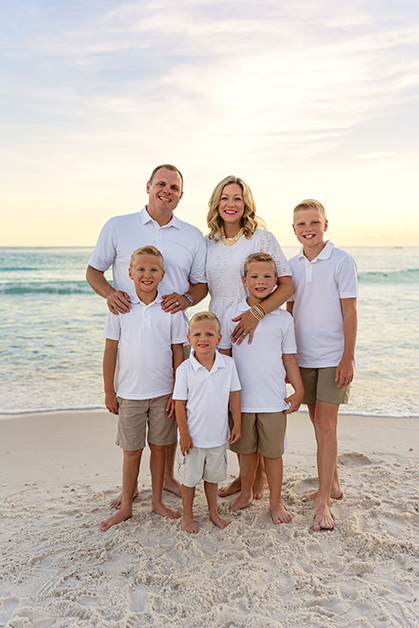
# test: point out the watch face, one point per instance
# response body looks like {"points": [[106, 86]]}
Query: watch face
{"points": [[190, 299]]}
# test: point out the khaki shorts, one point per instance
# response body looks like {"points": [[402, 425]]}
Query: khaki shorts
{"points": [[263, 432], [208, 464], [136, 414], [320, 384]]}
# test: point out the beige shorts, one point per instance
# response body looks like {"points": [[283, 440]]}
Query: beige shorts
{"points": [[134, 417], [320, 384], [208, 464], [263, 432]]}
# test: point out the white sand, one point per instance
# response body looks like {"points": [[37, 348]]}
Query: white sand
{"points": [[58, 472]]}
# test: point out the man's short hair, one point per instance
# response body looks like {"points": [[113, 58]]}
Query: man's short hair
{"points": [[204, 316], [147, 250], [167, 167], [310, 203], [259, 257]]}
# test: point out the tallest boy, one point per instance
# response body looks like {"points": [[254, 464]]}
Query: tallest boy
{"points": [[183, 250]]}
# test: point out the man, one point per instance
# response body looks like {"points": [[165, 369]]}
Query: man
{"points": [[183, 250]]}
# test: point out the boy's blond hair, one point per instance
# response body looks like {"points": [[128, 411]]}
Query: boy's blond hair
{"points": [[250, 222], [204, 316], [147, 250], [310, 203], [259, 257]]}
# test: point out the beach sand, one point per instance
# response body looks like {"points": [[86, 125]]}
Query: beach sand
{"points": [[58, 472]]}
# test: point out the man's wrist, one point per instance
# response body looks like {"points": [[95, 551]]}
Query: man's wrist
{"points": [[189, 299]]}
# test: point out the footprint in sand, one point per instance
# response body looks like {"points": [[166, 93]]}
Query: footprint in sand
{"points": [[354, 459], [7, 606]]}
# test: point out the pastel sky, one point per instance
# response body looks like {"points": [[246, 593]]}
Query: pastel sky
{"points": [[302, 99]]}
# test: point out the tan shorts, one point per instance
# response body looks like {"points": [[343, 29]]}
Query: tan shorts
{"points": [[136, 414], [263, 432], [320, 384], [208, 464]]}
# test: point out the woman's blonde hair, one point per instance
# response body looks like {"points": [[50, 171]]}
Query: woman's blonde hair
{"points": [[249, 221]]}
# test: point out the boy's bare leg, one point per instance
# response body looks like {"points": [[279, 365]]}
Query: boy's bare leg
{"points": [[212, 499], [259, 484], [336, 492], [248, 464], [274, 471], [130, 469], [157, 466], [170, 483], [188, 524], [325, 425], [117, 501]]}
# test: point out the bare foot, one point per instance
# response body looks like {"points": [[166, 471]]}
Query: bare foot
{"points": [[259, 486], [172, 486], [116, 518], [323, 519], [219, 521], [280, 514], [232, 488], [241, 502], [116, 503], [165, 511], [311, 497], [188, 525]]}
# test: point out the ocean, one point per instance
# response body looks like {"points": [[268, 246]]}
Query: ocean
{"points": [[51, 325]]}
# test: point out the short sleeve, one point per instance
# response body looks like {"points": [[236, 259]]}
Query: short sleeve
{"points": [[289, 344], [267, 243], [235, 382], [104, 253], [346, 276], [112, 329], [177, 328], [180, 391], [198, 272]]}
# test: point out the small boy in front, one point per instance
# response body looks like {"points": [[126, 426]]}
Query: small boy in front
{"points": [[262, 367], [150, 345], [325, 318], [206, 384]]}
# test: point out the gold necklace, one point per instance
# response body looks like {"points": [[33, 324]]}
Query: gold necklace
{"points": [[231, 241]]}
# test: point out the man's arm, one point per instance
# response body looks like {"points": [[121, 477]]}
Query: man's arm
{"points": [[109, 363], [345, 370], [117, 300], [176, 302], [247, 323]]}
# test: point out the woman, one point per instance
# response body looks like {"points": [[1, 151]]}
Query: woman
{"points": [[235, 234]]}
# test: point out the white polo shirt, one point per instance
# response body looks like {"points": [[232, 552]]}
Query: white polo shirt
{"points": [[319, 287], [259, 365], [207, 395], [181, 244], [145, 336]]}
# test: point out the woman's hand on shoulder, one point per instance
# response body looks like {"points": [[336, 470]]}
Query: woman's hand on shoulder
{"points": [[246, 324]]}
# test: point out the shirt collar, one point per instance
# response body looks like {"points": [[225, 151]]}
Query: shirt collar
{"points": [[219, 362], [324, 254], [135, 300], [146, 218]]}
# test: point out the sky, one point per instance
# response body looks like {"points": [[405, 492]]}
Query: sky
{"points": [[302, 100]]}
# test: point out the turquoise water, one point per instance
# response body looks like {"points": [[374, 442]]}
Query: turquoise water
{"points": [[51, 326]]}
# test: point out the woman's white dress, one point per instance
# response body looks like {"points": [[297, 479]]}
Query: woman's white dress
{"points": [[225, 266]]}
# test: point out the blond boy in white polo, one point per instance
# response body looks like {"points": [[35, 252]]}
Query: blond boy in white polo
{"points": [[206, 385], [150, 343], [325, 318], [262, 367]]}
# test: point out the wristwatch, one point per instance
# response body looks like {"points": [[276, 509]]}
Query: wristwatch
{"points": [[190, 299]]}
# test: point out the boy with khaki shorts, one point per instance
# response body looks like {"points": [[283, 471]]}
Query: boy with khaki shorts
{"points": [[325, 318], [206, 385], [262, 367], [150, 343]]}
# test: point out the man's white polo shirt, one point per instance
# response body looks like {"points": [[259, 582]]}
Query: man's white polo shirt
{"points": [[145, 336], [319, 287], [181, 244], [260, 366], [207, 394]]}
